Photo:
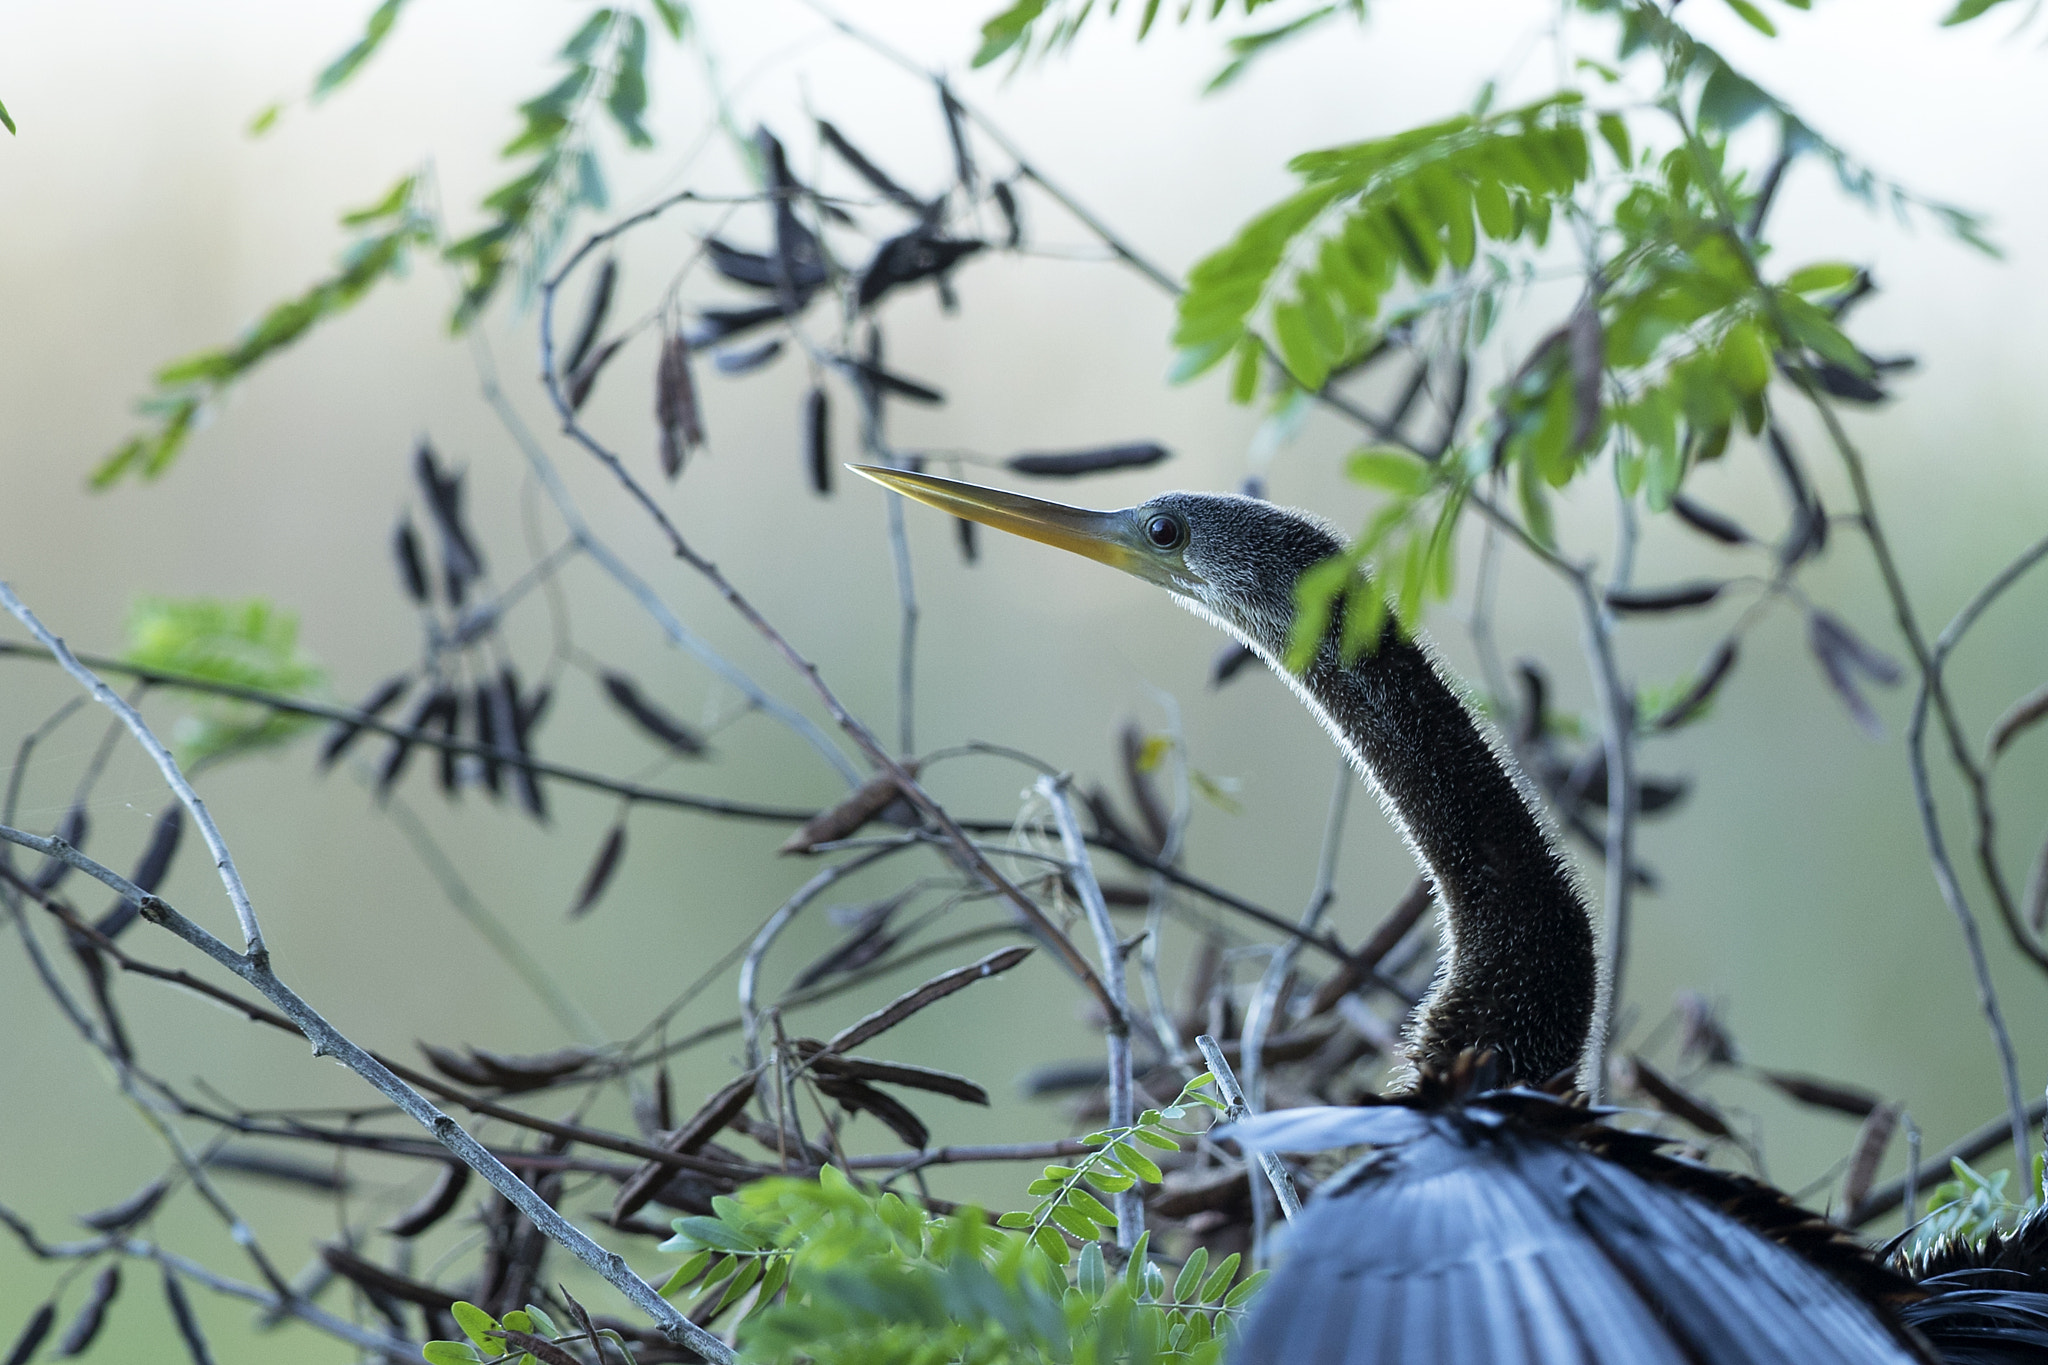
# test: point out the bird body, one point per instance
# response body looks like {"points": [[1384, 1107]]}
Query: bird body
{"points": [[1492, 1224]]}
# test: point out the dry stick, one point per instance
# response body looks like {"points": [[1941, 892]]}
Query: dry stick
{"points": [[636, 792], [962, 848], [1233, 1099], [1931, 688], [750, 966], [391, 1349], [617, 569], [1130, 1202], [230, 878], [1617, 709], [437, 739], [329, 1041], [1258, 1017]]}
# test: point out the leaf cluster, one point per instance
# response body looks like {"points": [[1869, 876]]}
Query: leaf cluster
{"points": [[386, 233], [1065, 1203], [251, 644], [840, 1275]]}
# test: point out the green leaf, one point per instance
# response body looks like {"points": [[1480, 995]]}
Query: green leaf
{"points": [[1074, 1221], [1250, 1285], [1137, 1163], [451, 1353], [1014, 1220], [676, 19], [1298, 350], [1614, 132], [1754, 17], [1389, 467], [688, 1272], [1155, 1137], [1966, 10], [1048, 1240], [1727, 101], [1821, 278], [348, 63], [250, 644], [1088, 1206], [712, 1233], [1109, 1181], [1535, 501], [265, 120], [1005, 31], [1187, 1286], [475, 1323], [584, 41], [627, 99], [1244, 374], [6, 119], [1745, 358], [1218, 1280]]}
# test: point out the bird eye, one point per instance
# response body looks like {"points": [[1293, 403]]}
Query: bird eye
{"points": [[1165, 532]]}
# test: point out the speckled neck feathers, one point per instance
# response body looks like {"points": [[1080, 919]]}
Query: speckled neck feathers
{"points": [[1519, 974]]}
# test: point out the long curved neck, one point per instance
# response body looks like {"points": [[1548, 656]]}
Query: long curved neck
{"points": [[1519, 974]]}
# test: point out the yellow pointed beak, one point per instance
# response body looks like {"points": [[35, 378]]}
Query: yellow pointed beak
{"points": [[1104, 536]]}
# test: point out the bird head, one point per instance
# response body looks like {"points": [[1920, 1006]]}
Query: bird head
{"points": [[1234, 560]]}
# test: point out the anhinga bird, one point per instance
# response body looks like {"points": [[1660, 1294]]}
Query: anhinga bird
{"points": [[1495, 1225]]}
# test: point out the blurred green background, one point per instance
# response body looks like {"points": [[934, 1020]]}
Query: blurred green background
{"points": [[143, 223]]}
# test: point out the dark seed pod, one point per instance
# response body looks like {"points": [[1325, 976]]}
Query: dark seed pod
{"points": [[2020, 717], [32, 1334], [455, 1066], [596, 306], [449, 720], [1667, 1095], [601, 869], [861, 1098], [1228, 661], [1006, 201], [1678, 597], [675, 404], [915, 255], [1586, 347], [538, 1347], [1702, 691], [73, 832], [412, 571], [1843, 1099], [1842, 656], [750, 268], [436, 1204], [517, 722], [421, 719], [877, 379], [970, 548], [460, 562], [1868, 1153], [748, 360], [867, 169], [284, 1170], [130, 1211], [1709, 522], [818, 440], [652, 718], [490, 733], [344, 733], [188, 1324], [1066, 464], [722, 324], [150, 870], [91, 1314], [584, 377], [919, 997], [1143, 794], [841, 821]]}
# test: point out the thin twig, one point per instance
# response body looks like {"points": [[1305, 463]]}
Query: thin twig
{"points": [[1233, 1099], [1129, 1203], [174, 778]]}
